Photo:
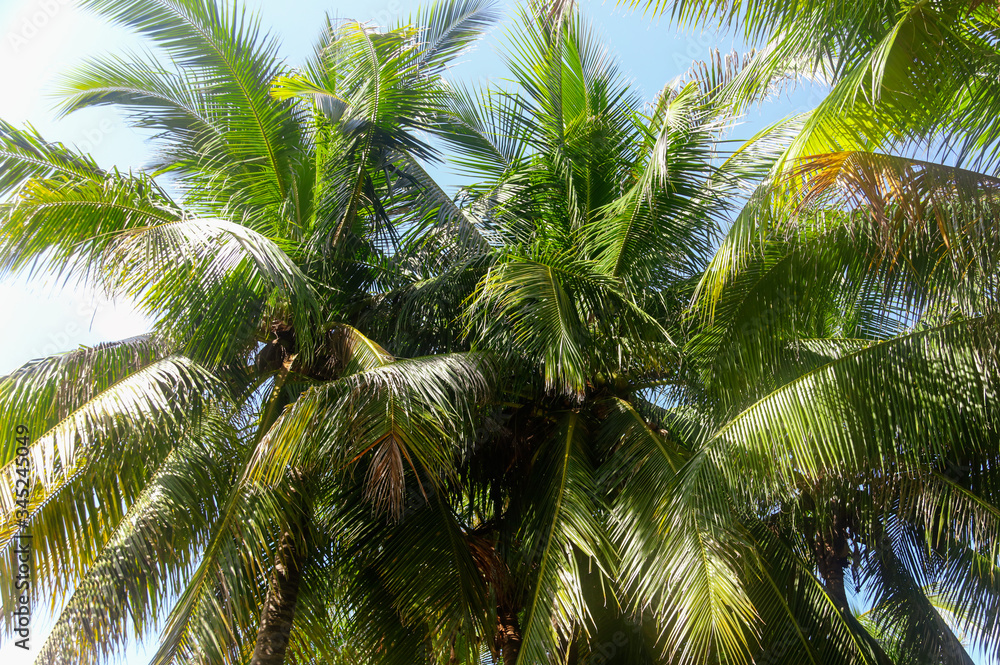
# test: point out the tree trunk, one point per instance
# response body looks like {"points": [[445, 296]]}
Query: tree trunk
{"points": [[510, 635], [830, 550], [278, 613], [831, 568], [832, 555], [279, 607]]}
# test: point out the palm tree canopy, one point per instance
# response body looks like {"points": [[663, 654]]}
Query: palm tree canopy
{"points": [[626, 388]]}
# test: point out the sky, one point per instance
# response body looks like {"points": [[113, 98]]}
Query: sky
{"points": [[42, 39]]}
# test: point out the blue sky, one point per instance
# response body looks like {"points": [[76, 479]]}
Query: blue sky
{"points": [[40, 39]]}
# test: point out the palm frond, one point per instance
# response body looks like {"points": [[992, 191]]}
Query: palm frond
{"points": [[562, 533]]}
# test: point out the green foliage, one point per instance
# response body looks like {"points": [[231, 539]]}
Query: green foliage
{"points": [[626, 396]]}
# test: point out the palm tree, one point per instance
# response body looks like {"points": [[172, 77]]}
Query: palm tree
{"points": [[705, 511], [283, 222], [917, 242]]}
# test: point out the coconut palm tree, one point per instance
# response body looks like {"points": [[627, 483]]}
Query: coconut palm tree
{"points": [[282, 222], [542, 308], [793, 358], [903, 76], [600, 214]]}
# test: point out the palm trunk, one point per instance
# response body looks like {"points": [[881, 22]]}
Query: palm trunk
{"points": [[831, 553], [510, 635], [831, 568], [278, 613], [573, 655]]}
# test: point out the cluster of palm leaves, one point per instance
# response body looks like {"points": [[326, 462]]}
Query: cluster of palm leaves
{"points": [[629, 396]]}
